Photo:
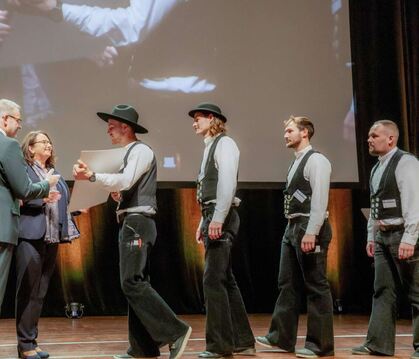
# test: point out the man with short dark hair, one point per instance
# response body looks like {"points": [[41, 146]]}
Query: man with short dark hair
{"points": [[227, 328], [393, 231], [151, 323], [14, 185], [302, 267]]}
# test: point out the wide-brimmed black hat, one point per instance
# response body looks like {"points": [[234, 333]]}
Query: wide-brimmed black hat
{"points": [[207, 107], [126, 114]]}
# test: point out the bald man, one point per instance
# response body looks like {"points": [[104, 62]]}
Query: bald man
{"points": [[393, 230]]}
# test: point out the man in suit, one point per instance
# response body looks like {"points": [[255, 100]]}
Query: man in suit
{"points": [[14, 185]]}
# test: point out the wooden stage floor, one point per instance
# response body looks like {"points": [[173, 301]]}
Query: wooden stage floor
{"points": [[102, 337]]}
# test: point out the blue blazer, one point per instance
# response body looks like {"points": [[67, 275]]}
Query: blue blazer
{"points": [[32, 223]]}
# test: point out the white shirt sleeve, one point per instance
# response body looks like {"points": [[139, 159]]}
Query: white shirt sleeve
{"points": [[407, 177], [227, 156], [122, 26], [318, 171], [139, 162]]}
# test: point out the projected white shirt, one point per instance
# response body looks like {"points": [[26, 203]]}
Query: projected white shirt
{"points": [[121, 26], [317, 170], [407, 174]]}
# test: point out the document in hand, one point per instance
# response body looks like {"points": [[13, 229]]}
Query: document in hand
{"points": [[88, 194]]}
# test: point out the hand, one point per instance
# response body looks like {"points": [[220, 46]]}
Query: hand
{"points": [[215, 230], [4, 27], [116, 196], [107, 57], [81, 171], [53, 196], [308, 243], [51, 178], [370, 248], [198, 235], [406, 250]]}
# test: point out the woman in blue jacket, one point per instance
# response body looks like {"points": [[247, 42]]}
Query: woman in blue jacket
{"points": [[43, 225]]}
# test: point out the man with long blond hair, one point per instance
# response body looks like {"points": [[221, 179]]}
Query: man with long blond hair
{"points": [[302, 268], [227, 328]]}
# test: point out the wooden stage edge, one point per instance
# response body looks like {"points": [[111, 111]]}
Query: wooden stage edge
{"points": [[103, 337]]}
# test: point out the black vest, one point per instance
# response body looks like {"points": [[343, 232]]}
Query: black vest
{"points": [[206, 189], [298, 182], [143, 192], [386, 202]]}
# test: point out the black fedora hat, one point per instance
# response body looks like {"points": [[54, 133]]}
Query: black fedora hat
{"points": [[207, 107], [126, 114]]}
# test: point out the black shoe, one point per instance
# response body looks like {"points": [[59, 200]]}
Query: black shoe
{"points": [[248, 351], [179, 345], [30, 354], [210, 355], [41, 353]]}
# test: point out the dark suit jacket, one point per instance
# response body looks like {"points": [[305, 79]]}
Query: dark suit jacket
{"points": [[32, 223], [14, 184]]}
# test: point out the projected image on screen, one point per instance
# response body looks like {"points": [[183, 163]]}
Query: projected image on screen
{"points": [[259, 60]]}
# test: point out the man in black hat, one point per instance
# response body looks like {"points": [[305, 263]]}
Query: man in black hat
{"points": [[151, 323], [227, 328]]}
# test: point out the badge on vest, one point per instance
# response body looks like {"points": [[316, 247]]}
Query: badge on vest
{"points": [[389, 203], [300, 196]]}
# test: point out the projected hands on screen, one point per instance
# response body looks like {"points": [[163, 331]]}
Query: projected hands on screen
{"points": [[4, 26]]}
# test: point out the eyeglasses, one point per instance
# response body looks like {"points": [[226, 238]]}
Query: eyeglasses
{"points": [[17, 119], [44, 142]]}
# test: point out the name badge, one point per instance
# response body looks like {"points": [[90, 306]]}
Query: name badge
{"points": [[389, 203], [301, 197]]}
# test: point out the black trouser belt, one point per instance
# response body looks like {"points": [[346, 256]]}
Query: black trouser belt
{"points": [[390, 227]]}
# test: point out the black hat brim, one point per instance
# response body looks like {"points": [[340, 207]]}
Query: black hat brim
{"points": [[107, 116], [203, 110]]}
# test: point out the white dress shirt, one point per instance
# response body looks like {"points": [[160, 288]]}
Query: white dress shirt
{"points": [[138, 162], [317, 171], [407, 178], [122, 26], [226, 156]]}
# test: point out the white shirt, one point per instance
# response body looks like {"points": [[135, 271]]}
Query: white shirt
{"points": [[317, 171], [138, 162], [226, 156], [407, 178], [3, 132], [121, 26]]}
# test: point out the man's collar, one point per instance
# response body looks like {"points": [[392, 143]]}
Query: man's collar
{"points": [[302, 152], [3, 132], [210, 139], [387, 155]]}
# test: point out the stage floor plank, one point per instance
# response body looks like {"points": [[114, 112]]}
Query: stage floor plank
{"points": [[103, 337]]}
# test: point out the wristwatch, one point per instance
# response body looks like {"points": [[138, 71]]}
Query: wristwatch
{"points": [[92, 178], [56, 13]]}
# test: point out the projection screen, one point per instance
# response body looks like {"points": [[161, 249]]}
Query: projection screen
{"points": [[260, 60]]}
